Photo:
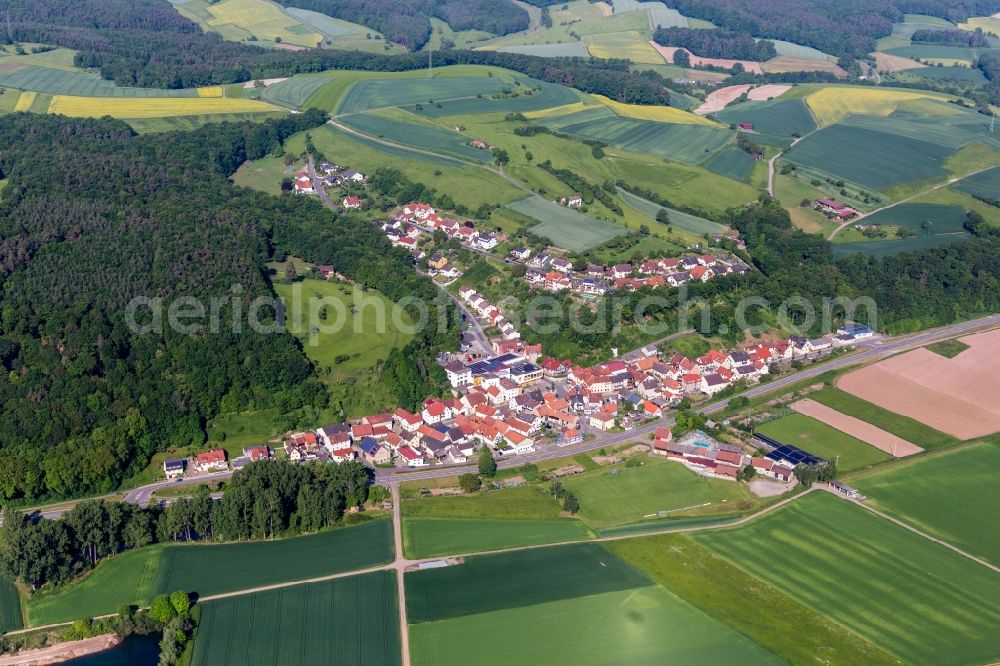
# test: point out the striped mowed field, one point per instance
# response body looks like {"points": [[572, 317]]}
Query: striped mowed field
{"points": [[908, 595], [120, 107]]}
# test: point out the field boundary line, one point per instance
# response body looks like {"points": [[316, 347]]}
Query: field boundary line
{"points": [[913, 529]]}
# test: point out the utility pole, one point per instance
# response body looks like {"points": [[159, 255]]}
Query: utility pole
{"points": [[430, 60]]}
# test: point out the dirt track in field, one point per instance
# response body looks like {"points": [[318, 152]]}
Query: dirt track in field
{"points": [[866, 432], [956, 395]]}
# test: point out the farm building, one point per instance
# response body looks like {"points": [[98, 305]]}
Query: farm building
{"points": [[846, 490], [835, 208]]}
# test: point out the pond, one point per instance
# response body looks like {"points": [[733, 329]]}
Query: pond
{"points": [[134, 651]]}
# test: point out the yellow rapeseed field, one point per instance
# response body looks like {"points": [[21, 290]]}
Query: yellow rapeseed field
{"points": [[262, 20], [151, 107], [25, 101], [210, 91], [661, 114], [832, 104], [555, 111]]}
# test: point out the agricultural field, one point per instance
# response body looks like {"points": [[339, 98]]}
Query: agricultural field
{"points": [[559, 50], [346, 621], [953, 496], [883, 440], [78, 82], [617, 495], [341, 34], [436, 139], [295, 91], [909, 596], [565, 227], [139, 107], [986, 184], [731, 162], [934, 52], [595, 607], [822, 440], [774, 118], [10, 607], [953, 395], [376, 93], [190, 122], [629, 44], [249, 21], [266, 174], [692, 223], [137, 576], [487, 520], [831, 104], [360, 331], [747, 604]]}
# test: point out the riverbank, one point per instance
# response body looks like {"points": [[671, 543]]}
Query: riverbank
{"points": [[60, 652]]}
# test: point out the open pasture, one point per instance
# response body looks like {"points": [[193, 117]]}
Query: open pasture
{"points": [[565, 227], [690, 144], [295, 91], [822, 440], [777, 117], [122, 107], [343, 622], [882, 440], [137, 576], [617, 495], [686, 221], [913, 598], [425, 137], [80, 82], [953, 496], [953, 395]]}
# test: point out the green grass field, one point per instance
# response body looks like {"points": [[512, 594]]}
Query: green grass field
{"points": [[425, 137], [748, 605], [10, 607], [909, 596], [953, 496], [345, 622], [295, 91], [617, 495], [948, 348], [522, 502], [433, 537], [822, 440], [266, 174], [375, 93], [565, 227], [778, 117], [194, 121], [899, 425], [731, 162], [583, 599], [137, 576], [359, 331]]}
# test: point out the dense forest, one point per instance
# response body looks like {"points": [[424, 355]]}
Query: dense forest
{"points": [[150, 44], [263, 500], [719, 43], [835, 26], [975, 39], [85, 400], [407, 22]]}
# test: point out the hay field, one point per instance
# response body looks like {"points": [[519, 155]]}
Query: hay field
{"points": [[832, 104], [141, 107], [660, 114], [861, 430], [954, 395]]}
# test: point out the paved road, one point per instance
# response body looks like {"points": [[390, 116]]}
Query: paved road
{"points": [[871, 351]]}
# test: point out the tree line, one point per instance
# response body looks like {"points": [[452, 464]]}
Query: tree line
{"points": [[956, 37], [719, 43], [263, 500]]}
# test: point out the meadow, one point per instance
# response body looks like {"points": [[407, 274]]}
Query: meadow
{"points": [[902, 426], [295, 91], [822, 440], [359, 332], [617, 494], [750, 606], [953, 496], [346, 621], [10, 607], [417, 135], [565, 227], [911, 597], [137, 576], [596, 608]]}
